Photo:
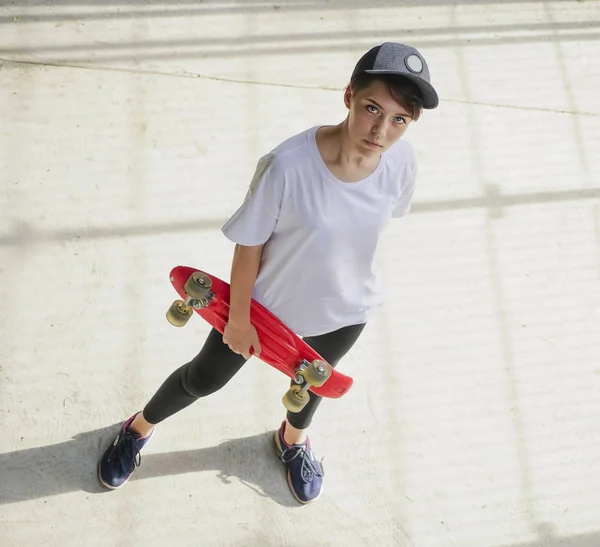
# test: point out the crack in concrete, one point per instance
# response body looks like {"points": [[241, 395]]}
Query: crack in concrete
{"points": [[195, 75]]}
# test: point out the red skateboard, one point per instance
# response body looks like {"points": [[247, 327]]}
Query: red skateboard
{"points": [[280, 346]]}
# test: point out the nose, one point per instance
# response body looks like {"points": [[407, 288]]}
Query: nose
{"points": [[378, 130]]}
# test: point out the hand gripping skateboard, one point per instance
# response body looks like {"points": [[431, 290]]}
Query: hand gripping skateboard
{"points": [[280, 346]]}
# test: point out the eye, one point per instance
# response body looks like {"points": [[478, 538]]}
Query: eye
{"points": [[400, 120], [372, 108]]}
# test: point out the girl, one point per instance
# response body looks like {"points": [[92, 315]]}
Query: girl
{"points": [[305, 238]]}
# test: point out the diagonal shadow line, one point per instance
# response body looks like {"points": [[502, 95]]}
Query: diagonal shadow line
{"points": [[26, 234], [162, 14], [249, 5], [264, 4], [581, 540], [562, 63], [308, 49], [71, 466], [209, 8], [499, 201], [278, 39]]}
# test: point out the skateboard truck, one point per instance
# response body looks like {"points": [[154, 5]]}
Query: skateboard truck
{"points": [[307, 375], [199, 295]]}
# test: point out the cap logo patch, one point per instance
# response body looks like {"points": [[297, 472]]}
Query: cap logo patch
{"points": [[413, 63]]}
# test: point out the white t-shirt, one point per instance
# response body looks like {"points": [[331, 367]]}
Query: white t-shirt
{"points": [[317, 271]]}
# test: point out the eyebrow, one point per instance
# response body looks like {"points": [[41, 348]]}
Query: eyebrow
{"points": [[404, 114]]}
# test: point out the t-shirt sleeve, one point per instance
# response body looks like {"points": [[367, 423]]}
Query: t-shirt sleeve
{"points": [[407, 190], [255, 220]]}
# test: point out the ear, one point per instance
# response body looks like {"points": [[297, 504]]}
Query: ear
{"points": [[348, 96]]}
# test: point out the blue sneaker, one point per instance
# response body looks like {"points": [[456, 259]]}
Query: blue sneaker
{"points": [[304, 472], [122, 457]]}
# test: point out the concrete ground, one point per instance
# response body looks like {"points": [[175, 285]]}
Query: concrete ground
{"points": [[128, 134]]}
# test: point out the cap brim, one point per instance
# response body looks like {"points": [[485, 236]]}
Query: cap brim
{"points": [[430, 96]]}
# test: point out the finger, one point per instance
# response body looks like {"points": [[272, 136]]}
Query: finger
{"points": [[233, 348]]}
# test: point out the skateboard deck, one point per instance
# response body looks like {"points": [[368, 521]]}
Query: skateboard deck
{"points": [[280, 346]]}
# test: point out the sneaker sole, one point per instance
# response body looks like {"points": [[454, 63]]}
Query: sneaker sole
{"points": [[279, 451]]}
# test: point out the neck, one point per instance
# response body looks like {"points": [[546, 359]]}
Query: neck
{"points": [[339, 147]]}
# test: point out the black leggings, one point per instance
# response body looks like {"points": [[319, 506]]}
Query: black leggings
{"points": [[216, 364]]}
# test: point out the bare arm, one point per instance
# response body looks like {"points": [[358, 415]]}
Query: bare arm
{"points": [[240, 335], [244, 270]]}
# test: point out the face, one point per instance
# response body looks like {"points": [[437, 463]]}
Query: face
{"points": [[375, 120]]}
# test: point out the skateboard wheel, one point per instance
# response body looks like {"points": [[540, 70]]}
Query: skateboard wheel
{"points": [[318, 372], [179, 314], [198, 285], [295, 399]]}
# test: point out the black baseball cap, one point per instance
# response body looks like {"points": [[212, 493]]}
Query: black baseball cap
{"points": [[403, 60]]}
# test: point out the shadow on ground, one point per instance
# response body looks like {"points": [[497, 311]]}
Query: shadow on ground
{"points": [[71, 466], [582, 540]]}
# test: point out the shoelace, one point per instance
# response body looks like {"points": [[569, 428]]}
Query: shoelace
{"points": [[129, 452], [308, 468]]}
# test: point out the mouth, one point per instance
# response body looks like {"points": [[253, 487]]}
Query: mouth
{"points": [[372, 144]]}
